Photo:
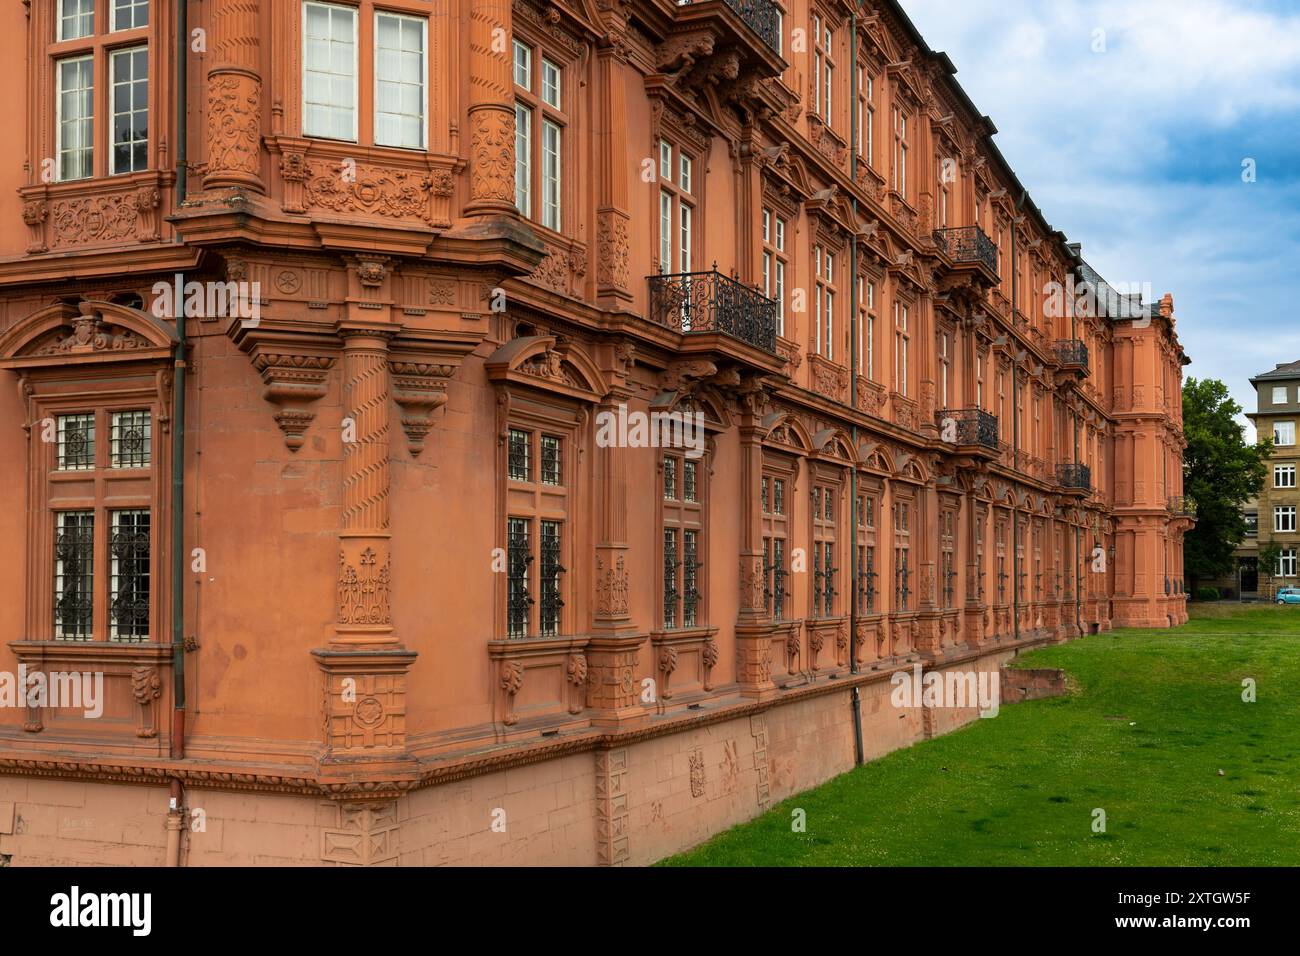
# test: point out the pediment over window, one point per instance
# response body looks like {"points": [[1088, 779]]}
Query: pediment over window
{"points": [[873, 457], [833, 443], [541, 361], [783, 428], [87, 332]]}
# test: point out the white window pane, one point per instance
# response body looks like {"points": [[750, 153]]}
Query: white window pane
{"points": [[551, 158], [523, 159], [523, 65], [329, 71], [551, 84], [666, 162]]}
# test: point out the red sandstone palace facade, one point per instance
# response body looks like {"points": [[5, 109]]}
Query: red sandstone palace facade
{"points": [[364, 580]]}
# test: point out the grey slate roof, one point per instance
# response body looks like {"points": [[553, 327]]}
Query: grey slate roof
{"points": [[1283, 370]]}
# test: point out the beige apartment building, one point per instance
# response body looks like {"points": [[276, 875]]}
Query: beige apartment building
{"points": [[1272, 515]]}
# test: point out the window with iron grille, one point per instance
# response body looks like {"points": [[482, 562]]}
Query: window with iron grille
{"points": [[948, 559], [689, 475], [690, 578], [670, 478], [76, 442], [778, 497], [1001, 545], [671, 564], [549, 579], [519, 452], [902, 555], [130, 581], [866, 578], [551, 461], [74, 565], [824, 538], [518, 558], [130, 439], [683, 522]]}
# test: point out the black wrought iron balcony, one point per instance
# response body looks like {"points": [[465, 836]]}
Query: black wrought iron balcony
{"points": [[968, 244], [1074, 477], [1072, 353], [761, 16], [700, 302], [968, 427], [1182, 505]]}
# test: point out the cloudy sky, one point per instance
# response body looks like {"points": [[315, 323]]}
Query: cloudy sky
{"points": [[1136, 150]]}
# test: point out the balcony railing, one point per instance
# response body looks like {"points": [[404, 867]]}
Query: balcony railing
{"points": [[968, 426], [968, 244], [1182, 505], [699, 302], [1072, 352], [761, 16], [1074, 476]]}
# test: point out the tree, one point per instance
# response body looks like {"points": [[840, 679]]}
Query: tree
{"points": [[1220, 473], [1270, 553]]}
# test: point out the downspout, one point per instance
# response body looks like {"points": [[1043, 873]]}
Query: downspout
{"points": [[1074, 420], [854, 517], [178, 416]]}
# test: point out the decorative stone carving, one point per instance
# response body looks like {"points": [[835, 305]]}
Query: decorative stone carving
{"points": [[419, 389], [611, 588], [292, 382], [363, 591], [94, 219], [511, 680], [376, 191], [709, 655], [146, 687], [576, 675]]}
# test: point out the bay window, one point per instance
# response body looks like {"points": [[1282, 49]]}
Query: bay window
{"points": [[540, 123]]}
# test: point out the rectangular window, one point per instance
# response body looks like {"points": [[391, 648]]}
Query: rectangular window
{"points": [[400, 70], [129, 83], [670, 479], [523, 62], [671, 565], [902, 342], [1284, 518], [129, 577], [665, 231], [551, 462], [75, 122], [519, 455], [1286, 563], [549, 580], [329, 71], [75, 448], [1279, 394], [690, 577], [523, 160], [1284, 433], [518, 557], [76, 19], [1252, 523], [127, 14], [689, 477], [550, 84], [74, 549], [1284, 476], [130, 439], [551, 153]]}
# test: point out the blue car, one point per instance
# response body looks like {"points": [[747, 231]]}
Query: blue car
{"points": [[1288, 595]]}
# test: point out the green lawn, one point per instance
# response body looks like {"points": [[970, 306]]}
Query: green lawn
{"points": [[1152, 718]]}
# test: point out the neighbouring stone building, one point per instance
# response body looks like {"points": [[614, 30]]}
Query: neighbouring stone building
{"points": [[315, 314], [1271, 515]]}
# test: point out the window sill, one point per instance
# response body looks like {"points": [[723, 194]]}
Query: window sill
{"points": [[95, 212]]}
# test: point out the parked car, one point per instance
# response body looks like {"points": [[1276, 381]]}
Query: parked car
{"points": [[1288, 595]]}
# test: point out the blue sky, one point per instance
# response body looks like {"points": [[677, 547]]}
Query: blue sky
{"points": [[1136, 150]]}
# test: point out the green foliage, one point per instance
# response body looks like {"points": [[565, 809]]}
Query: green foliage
{"points": [[1207, 594], [1155, 732], [1220, 472]]}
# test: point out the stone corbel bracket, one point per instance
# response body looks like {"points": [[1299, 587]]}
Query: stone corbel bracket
{"points": [[420, 389], [295, 371]]}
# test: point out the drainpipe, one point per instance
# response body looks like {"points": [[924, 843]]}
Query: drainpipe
{"points": [[1074, 420], [854, 517], [178, 419], [175, 824]]}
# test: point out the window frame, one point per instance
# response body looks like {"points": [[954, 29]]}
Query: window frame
{"points": [[543, 115], [423, 145]]}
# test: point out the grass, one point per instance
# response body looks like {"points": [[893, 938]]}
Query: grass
{"points": [[1152, 719]]}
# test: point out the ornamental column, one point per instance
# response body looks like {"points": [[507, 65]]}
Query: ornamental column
{"points": [[234, 103], [491, 110], [365, 664], [753, 622]]}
